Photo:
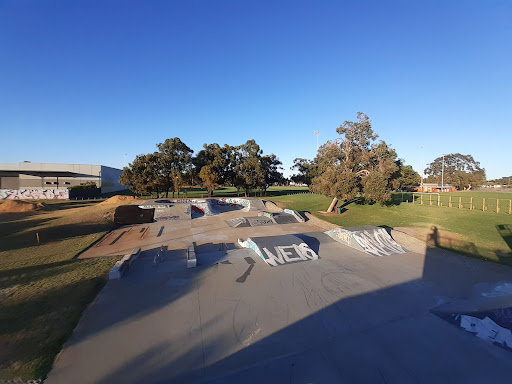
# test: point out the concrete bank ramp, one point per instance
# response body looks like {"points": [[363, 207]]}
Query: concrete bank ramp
{"points": [[487, 313], [280, 250], [169, 211], [373, 240], [257, 221]]}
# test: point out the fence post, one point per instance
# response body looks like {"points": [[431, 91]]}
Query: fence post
{"points": [[497, 205], [450, 201], [460, 202], [483, 204], [430, 199], [510, 207], [421, 199], [413, 199], [471, 204]]}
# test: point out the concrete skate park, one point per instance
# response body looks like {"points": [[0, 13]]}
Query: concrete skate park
{"points": [[237, 290]]}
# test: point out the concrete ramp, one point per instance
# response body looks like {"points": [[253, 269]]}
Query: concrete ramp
{"points": [[487, 314], [373, 240], [257, 221], [280, 250], [169, 211]]}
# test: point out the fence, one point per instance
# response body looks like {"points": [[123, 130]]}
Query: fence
{"points": [[484, 204]]}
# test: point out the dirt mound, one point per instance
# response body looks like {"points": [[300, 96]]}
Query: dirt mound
{"points": [[121, 200], [19, 206]]}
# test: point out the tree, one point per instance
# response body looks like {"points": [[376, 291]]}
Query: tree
{"points": [[460, 170], [144, 174], [407, 175], [271, 165], [210, 178], [175, 160], [248, 169], [306, 171], [356, 164]]}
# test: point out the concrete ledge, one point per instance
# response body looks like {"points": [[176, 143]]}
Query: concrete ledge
{"points": [[296, 214], [120, 267], [191, 257]]}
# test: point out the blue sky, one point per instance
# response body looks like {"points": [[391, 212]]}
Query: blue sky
{"points": [[88, 81]]}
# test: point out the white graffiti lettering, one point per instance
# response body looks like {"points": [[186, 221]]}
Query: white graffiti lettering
{"points": [[377, 243], [19, 194], [283, 255]]}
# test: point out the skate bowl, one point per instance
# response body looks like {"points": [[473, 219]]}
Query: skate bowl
{"points": [[280, 250], [487, 313], [369, 239], [186, 209]]}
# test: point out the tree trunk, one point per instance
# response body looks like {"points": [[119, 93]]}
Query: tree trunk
{"points": [[333, 204]]}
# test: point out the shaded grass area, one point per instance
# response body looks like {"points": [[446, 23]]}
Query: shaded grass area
{"points": [[43, 288], [196, 192], [477, 234]]}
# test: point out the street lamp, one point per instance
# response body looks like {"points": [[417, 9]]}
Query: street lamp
{"points": [[317, 133]]}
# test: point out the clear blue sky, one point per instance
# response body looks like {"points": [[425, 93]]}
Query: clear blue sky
{"points": [[88, 81]]}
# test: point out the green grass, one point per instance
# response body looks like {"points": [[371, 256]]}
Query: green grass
{"points": [[43, 288], [496, 202], [478, 234], [196, 192]]}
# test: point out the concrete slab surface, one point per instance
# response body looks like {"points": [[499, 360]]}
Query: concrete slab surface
{"points": [[347, 317]]}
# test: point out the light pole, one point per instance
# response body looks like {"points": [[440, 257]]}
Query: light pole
{"points": [[422, 168], [317, 133], [442, 176]]}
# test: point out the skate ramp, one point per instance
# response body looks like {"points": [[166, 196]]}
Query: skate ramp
{"points": [[280, 250], [132, 214], [375, 241], [169, 211], [257, 221], [487, 313]]}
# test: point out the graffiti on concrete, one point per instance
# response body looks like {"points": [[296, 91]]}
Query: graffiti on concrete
{"points": [[486, 329], [236, 222], [18, 194], [289, 254], [377, 242], [260, 221], [252, 245]]}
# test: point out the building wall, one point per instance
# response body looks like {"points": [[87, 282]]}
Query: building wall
{"points": [[110, 180], [28, 176]]}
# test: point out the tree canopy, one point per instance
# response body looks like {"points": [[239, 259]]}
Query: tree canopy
{"points": [[244, 167], [356, 163], [462, 171]]}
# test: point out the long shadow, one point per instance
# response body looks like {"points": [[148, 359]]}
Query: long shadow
{"points": [[19, 240], [505, 231], [380, 333], [37, 326]]}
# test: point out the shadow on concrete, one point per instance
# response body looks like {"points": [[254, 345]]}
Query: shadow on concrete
{"points": [[364, 338]]}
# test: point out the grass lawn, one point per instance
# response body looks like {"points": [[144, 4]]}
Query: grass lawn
{"points": [[196, 192], [484, 235], [44, 288]]}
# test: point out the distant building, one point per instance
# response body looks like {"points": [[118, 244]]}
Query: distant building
{"points": [[48, 176], [434, 188]]}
